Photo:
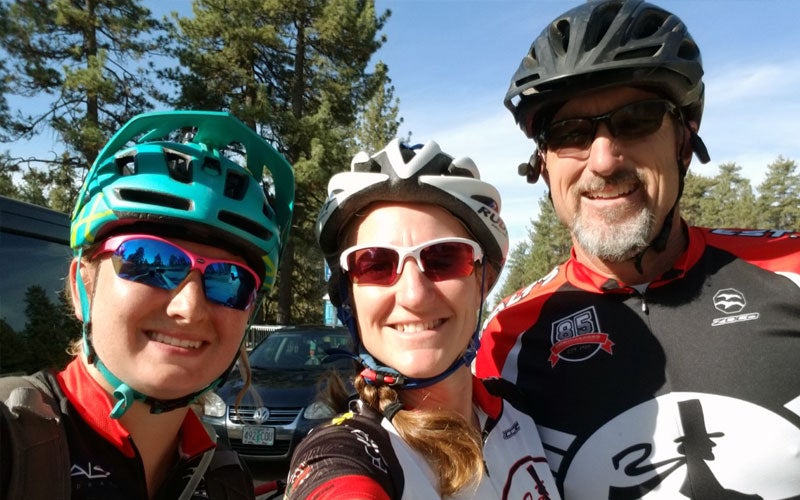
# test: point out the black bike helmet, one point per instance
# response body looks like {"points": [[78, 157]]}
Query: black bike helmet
{"points": [[603, 44]]}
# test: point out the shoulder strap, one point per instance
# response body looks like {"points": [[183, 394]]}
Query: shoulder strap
{"points": [[508, 391], [36, 437]]}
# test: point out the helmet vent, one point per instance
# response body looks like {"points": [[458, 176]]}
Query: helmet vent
{"points": [[689, 51], [459, 171], [489, 202], [648, 24], [529, 78], [559, 36], [212, 166], [642, 52], [235, 185], [151, 198], [179, 166], [126, 165], [367, 166], [244, 224], [268, 208], [598, 25]]}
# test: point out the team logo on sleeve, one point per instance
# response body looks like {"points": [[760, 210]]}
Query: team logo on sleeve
{"points": [[578, 337]]}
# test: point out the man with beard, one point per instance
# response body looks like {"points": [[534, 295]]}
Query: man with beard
{"points": [[660, 360]]}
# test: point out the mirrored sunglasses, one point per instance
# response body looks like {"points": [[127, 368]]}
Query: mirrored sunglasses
{"points": [[439, 259], [159, 263], [574, 136]]}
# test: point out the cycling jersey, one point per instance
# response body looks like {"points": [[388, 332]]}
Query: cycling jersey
{"points": [[689, 389], [105, 463], [363, 452]]}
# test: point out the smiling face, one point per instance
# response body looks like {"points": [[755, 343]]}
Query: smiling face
{"points": [[416, 326], [616, 199], [163, 343]]}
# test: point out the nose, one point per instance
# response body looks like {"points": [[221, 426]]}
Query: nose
{"points": [[413, 286], [188, 300], [604, 154]]}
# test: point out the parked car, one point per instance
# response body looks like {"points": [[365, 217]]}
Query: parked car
{"points": [[278, 411], [34, 260]]}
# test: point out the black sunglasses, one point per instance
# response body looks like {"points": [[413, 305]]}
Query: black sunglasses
{"points": [[573, 136]]}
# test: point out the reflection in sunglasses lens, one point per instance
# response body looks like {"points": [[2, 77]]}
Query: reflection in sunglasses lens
{"points": [[163, 265]]}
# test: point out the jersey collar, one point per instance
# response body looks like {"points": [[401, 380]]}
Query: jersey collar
{"points": [[587, 278], [94, 404]]}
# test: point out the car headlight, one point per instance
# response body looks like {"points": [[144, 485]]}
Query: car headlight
{"points": [[213, 405], [317, 411]]}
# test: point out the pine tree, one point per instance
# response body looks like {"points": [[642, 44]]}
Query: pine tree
{"points": [[84, 58], [778, 204], [730, 201], [12, 358], [549, 245], [297, 72], [694, 199]]}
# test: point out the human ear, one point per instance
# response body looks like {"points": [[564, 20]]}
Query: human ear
{"points": [[685, 154], [74, 292]]}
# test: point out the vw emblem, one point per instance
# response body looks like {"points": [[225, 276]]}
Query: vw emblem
{"points": [[261, 415]]}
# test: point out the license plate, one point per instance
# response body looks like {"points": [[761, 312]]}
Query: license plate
{"points": [[252, 434]]}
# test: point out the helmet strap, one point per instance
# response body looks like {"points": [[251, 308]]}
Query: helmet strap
{"points": [[659, 243]]}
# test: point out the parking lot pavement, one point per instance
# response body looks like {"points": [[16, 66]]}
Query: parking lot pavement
{"points": [[267, 471]]}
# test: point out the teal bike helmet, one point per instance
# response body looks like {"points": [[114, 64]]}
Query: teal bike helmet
{"points": [[176, 174], [143, 176]]}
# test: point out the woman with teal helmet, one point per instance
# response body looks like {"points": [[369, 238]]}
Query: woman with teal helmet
{"points": [[174, 234]]}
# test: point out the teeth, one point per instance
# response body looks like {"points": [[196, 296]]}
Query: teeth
{"points": [[160, 337], [609, 191], [417, 327]]}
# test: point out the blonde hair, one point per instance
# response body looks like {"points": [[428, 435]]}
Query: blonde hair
{"points": [[450, 444]]}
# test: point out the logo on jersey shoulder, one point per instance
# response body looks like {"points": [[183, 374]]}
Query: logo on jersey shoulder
{"points": [[578, 337], [511, 431], [731, 301]]}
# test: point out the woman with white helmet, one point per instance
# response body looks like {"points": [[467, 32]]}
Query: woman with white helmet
{"points": [[415, 241], [173, 240]]}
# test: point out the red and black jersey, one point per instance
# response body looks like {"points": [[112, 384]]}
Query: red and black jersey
{"points": [[686, 388]]}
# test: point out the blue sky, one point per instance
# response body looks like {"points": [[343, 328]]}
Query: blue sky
{"points": [[451, 61]]}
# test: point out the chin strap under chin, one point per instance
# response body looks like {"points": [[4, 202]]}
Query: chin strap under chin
{"points": [[126, 395], [375, 373]]}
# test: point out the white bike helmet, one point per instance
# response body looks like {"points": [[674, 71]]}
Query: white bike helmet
{"points": [[418, 174], [421, 174]]}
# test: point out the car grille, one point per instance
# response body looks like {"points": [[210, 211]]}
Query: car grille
{"points": [[277, 416]]}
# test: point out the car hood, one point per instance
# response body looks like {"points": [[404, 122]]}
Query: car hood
{"points": [[293, 388]]}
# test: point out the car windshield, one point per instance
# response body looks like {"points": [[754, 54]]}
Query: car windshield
{"points": [[300, 350]]}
